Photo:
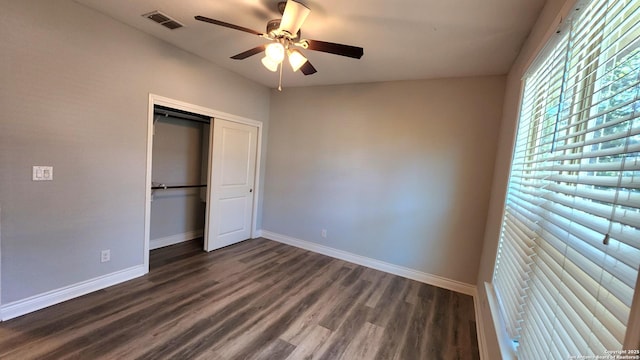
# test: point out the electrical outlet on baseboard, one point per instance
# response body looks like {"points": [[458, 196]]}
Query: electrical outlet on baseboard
{"points": [[323, 233]]}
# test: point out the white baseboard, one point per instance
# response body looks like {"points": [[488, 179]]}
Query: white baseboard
{"points": [[174, 239], [423, 277], [257, 234], [41, 301]]}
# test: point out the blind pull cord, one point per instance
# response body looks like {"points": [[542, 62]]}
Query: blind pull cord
{"points": [[563, 87], [605, 240]]}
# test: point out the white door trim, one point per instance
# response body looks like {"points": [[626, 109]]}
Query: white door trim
{"points": [[181, 105], [1, 263]]}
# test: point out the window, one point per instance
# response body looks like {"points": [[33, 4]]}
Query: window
{"points": [[569, 249]]}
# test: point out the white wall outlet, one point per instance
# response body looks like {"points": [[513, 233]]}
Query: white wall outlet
{"points": [[323, 233], [105, 255], [42, 173]]}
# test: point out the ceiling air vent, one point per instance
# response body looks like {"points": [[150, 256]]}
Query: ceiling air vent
{"points": [[163, 20]]}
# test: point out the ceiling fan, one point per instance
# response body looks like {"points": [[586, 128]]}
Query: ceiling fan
{"points": [[284, 36]]}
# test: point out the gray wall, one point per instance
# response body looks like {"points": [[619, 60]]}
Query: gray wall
{"points": [[545, 26], [177, 160], [397, 171], [74, 95]]}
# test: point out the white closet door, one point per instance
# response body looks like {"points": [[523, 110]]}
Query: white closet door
{"points": [[232, 176]]}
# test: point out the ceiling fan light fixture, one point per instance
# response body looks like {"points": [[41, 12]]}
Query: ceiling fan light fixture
{"points": [[296, 59], [275, 52], [270, 64]]}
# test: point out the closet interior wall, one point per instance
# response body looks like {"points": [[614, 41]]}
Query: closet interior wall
{"points": [[180, 157]]}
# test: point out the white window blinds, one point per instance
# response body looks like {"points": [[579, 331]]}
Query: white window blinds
{"points": [[569, 250]]}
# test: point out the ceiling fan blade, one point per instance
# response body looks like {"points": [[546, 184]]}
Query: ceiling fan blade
{"points": [[308, 69], [338, 49], [225, 24], [248, 53], [294, 15]]}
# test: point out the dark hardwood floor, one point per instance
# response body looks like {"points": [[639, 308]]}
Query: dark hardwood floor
{"points": [[255, 300]]}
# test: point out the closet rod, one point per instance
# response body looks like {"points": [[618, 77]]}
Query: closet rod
{"points": [[180, 114], [204, 121], [165, 187]]}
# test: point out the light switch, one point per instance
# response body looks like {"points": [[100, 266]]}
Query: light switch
{"points": [[42, 173]]}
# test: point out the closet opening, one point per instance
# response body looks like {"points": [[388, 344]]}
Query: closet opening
{"points": [[202, 176], [179, 177]]}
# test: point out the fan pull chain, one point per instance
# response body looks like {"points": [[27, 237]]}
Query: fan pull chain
{"points": [[280, 82]]}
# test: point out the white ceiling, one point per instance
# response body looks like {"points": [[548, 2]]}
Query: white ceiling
{"points": [[402, 39]]}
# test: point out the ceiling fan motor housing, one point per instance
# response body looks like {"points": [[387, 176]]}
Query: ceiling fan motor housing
{"points": [[273, 25], [273, 30]]}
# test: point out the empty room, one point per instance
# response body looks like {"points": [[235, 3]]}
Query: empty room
{"points": [[303, 179]]}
